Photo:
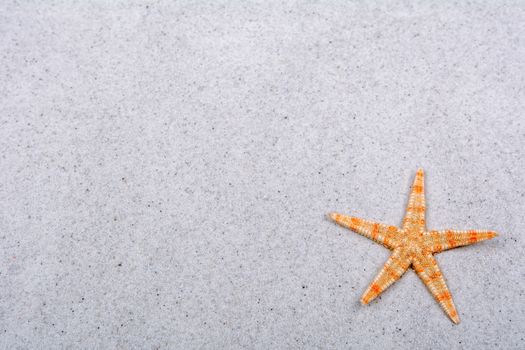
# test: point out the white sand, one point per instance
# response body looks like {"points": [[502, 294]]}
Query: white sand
{"points": [[166, 171]]}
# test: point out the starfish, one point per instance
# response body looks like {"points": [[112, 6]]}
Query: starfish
{"points": [[413, 246]]}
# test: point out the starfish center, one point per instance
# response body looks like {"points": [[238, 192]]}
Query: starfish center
{"points": [[412, 243]]}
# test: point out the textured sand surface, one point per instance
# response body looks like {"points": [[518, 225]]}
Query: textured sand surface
{"points": [[166, 170]]}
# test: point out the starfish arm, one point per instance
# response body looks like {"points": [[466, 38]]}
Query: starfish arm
{"points": [[428, 270], [415, 214], [438, 241], [380, 233], [394, 268]]}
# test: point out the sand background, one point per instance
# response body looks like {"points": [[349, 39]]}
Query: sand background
{"points": [[166, 169]]}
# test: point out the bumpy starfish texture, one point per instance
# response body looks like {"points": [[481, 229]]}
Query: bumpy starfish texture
{"points": [[413, 246]]}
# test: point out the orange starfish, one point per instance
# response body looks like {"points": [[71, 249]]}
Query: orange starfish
{"points": [[413, 246]]}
